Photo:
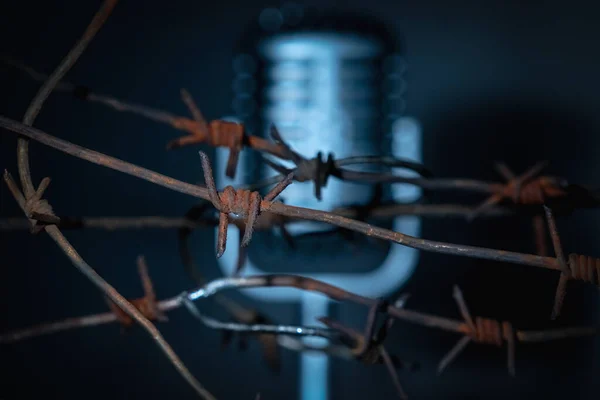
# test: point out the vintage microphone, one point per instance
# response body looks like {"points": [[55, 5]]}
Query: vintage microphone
{"points": [[330, 82]]}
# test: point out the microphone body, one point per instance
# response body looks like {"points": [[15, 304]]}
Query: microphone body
{"points": [[332, 83]]}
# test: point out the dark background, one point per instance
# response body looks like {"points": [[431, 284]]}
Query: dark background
{"points": [[513, 81]]}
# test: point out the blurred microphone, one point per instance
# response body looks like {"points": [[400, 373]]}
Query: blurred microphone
{"points": [[329, 82]]}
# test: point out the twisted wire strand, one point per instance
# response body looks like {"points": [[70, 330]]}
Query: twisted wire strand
{"points": [[240, 203], [481, 330], [580, 267]]}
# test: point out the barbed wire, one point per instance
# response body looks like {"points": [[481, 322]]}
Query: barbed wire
{"points": [[219, 133], [347, 343], [528, 194], [295, 212], [277, 207], [266, 220], [39, 210]]}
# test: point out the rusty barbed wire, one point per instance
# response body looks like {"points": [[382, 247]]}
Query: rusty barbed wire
{"points": [[228, 134], [282, 209], [244, 207], [318, 170], [215, 134], [238, 312], [33, 206], [545, 262], [155, 310], [232, 135], [480, 330], [219, 133], [196, 215], [396, 310], [147, 305], [340, 348], [526, 189], [239, 203], [369, 351], [578, 267], [315, 169]]}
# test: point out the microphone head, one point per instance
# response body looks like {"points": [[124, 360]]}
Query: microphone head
{"points": [[330, 82]]}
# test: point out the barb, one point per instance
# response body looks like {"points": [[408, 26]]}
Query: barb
{"points": [[115, 297], [278, 208], [147, 305], [213, 288], [338, 294], [580, 267], [578, 196], [216, 134], [265, 221], [232, 135], [314, 169], [155, 310], [319, 170], [37, 210], [222, 133], [525, 189], [485, 331], [481, 330], [239, 203], [246, 207]]}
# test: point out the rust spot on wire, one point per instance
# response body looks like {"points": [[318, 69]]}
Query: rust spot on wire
{"points": [[147, 305], [217, 133], [526, 189], [484, 331], [315, 169]]}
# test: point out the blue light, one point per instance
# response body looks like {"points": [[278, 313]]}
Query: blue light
{"points": [[328, 92]]}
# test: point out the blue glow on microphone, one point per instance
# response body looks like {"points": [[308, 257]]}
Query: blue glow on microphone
{"points": [[328, 88], [321, 92]]}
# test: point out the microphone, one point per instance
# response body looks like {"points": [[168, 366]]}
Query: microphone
{"points": [[330, 82]]}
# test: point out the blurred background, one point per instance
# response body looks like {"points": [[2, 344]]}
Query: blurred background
{"points": [[501, 81]]}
